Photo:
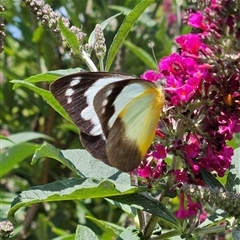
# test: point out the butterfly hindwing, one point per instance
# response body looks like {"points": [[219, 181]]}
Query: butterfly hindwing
{"points": [[96, 145], [128, 112]]}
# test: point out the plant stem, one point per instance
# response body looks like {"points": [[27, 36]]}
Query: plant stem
{"points": [[141, 217], [84, 56], [148, 230]]}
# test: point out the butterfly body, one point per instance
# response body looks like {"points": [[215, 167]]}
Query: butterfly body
{"points": [[116, 113]]}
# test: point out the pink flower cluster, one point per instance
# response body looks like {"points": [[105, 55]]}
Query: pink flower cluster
{"points": [[202, 100]]}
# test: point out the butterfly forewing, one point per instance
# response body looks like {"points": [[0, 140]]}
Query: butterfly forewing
{"points": [[75, 93], [117, 114]]}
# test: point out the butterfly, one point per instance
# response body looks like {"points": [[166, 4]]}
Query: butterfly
{"points": [[117, 114]]}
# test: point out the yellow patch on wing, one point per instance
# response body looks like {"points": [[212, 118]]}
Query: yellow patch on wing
{"points": [[140, 116]]}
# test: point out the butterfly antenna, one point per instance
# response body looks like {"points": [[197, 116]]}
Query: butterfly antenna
{"points": [[151, 45]]}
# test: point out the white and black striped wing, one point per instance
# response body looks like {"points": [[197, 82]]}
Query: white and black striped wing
{"points": [[76, 94]]}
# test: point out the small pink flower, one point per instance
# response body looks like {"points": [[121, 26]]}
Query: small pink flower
{"points": [[151, 76], [191, 210], [196, 20], [160, 152], [181, 176], [190, 43], [185, 92], [192, 150], [144, 172]]}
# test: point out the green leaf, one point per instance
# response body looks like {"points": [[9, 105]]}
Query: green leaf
{"points": [[46, 95], [57, 230], [68, 127], [4, 138], [130, 233], [22, 137], [144, 18], [217, 217], [124, 29], [38, 34], [210, 180], [70, 37], [109, 230], [234, 143], [81, 163], [233, 179], [236, 233], [83, 233], [47, 77], [15, 154], [70, 189], [145, 202], [131, 211], [49, 151], [5, 202], [65, 237], [91, 39], [50, 76], [142, 55]]}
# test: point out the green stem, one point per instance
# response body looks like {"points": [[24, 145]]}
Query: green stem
{"points": [[141, 217], [215, 229], [152, 222], [148, 230], [101, 64], [84, 56]]}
